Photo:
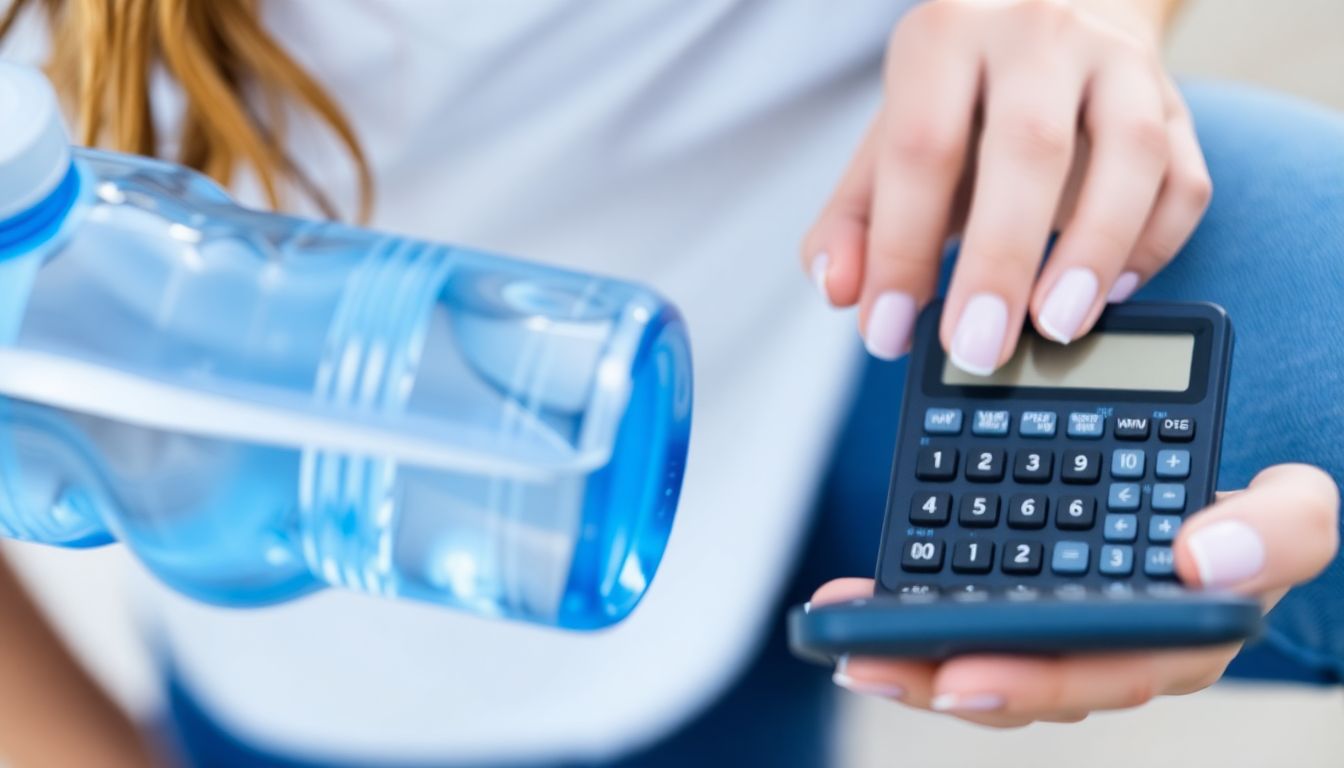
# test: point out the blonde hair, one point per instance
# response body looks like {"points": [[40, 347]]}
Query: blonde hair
{"points": [[104, 51]]}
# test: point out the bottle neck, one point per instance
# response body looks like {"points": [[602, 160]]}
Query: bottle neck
{"points": [[24, 231]]}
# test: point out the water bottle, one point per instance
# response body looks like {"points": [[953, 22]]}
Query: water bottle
{"points": [[260, 406]]}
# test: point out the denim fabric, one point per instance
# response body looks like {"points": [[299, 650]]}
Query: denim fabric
{"points": [[1270, 250]]}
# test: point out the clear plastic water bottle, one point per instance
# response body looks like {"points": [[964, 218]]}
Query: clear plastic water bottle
{"points": [[260, 406]]}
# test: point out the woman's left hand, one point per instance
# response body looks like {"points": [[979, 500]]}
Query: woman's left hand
{"points": [[1279, 532]]}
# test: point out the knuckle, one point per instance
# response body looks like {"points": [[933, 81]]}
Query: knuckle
{"points": [[929, 19], [1037, 136], [923, 143], [1146, 136], [1138, 692], [1193, 189]]}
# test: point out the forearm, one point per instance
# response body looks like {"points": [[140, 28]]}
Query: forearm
{"points": [[51, 711]]}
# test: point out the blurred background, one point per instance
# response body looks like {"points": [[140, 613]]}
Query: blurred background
{"points": [[1291, 45]]}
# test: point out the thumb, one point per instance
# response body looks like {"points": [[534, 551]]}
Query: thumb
{"points": [[1281, 531]]}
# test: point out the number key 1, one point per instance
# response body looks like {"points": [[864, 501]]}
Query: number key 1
{"points": [[973, 557], [936, 463]]}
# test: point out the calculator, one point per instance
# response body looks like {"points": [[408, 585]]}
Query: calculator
{"points": [[1033, 510]]}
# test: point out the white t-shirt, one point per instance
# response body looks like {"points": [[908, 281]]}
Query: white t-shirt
{"points": [[686, 144]]}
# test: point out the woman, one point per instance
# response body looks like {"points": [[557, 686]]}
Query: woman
{"points": [[678, 143]]}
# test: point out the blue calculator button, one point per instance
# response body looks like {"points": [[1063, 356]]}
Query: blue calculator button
{"points": [[1123, 497], [1086, 425], [990, 423], [1116, 560], [1168, 497], [1069, 558], [1162, 528], [1159, 562], [942, 421], [1122, 527], [1127, 463], [1173, 465], [1037, 424]]}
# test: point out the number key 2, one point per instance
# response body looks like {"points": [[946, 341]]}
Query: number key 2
{"points": [[984, 465]]}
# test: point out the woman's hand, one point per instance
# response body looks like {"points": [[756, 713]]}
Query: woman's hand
{"points": [[1014, 118], [1279, 532]]}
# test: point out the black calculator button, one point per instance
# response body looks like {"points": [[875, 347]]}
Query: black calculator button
{"points": [[936, 463], [979, 510], [1033, 466], [1027, 510], [1131, 427], [1022, 592], [930, 508], [1076, 513], [922, 556], [984, 465], [1176, 429], [1081, 467], [973, 556], [968, 592], [1022, 557]]}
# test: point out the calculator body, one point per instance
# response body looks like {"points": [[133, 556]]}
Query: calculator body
{"points": [[1034, 510]]}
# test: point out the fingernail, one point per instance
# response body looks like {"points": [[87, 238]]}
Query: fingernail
{"points": [[867, 688], [1123, 287], [820, 263], [979, 336], [1068, 304], [975, 702], [1227, 553], [890, 322]]}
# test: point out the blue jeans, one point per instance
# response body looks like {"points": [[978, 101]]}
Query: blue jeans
{"points": [[1271, 250]]}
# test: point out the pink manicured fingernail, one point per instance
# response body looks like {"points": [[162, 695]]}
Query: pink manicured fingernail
{"points": [[820, 263], [867, 688], [979, 336], [1068, 304], [975, 702], [1123, 287], [890, 322], [1227, 553]]}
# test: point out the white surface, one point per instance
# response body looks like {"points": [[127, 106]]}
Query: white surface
{"points": [[34, 150]]}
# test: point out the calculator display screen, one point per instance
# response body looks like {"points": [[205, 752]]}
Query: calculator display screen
{"points": [[1154, 362]]}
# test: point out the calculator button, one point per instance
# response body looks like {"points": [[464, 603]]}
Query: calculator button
{"points": [[1071, 592], [990, 423], [1116, 560], [942, 421], [984, 466], [1176, 429], [1086, 425], [1075, 513], [1037, 424], [1131, 427], [1121, 528], [922, 556], [1022, 557], [1033, 466], [1070, 558], [1127, 463], [1123, 497], [910, 588], [1168, 497], [1162, 528], [1027, 510], [1172, 465], [1158, 562], [979, 510], [1118, 590], [973, 557], [936, 463], [930, 508], [1081, 467]]}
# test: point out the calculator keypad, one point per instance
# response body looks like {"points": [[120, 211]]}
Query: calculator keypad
{"points": [[1001, 492]]}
